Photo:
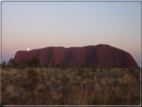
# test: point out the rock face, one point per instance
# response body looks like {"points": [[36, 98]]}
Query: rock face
{"points": [[101, 55]]}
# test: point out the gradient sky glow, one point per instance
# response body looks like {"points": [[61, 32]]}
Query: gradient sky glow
{"points": [[70, 24]]}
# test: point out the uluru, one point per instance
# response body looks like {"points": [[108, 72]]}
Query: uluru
{"points": [[101, 55]]}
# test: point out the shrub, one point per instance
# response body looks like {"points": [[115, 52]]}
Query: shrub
{"points": [[63, 65], [120, 99], [53, 63], [40, 87], [123, 69], [17, 65], [127, 84], [105, 101], [131, 70], [23, 62], [22, 67], [3, 65], [80, 71], [58, 65], [3, 102], [35, 61], [108, 69], [46, 66], [138, 68], [94, 68], [96, 101], [73, 70], [39, 66], [12, 62], [32, 75], [29, 63], [101, 70], [82, 65], [135, 98], [63, 68]]}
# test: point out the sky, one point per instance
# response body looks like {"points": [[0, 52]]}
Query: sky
{"points": [[37, 25]]}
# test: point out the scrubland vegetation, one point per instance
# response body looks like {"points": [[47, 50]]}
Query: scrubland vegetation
{"points": [[27, 83], [70, 86]]}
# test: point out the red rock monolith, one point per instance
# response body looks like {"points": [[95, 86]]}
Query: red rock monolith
{"points": [[101, 55]]}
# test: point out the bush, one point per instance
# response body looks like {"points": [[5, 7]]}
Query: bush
{"points": [[17, 65], [29, 63], [11, 62], [3, 102], [35, 61], [58, 65], [94, 68], [120, 99], [53, 63], [131, 70], [96, 101], [123, 69], [108, 69], [63, 68], [80, 71], [22, 67], [82, 65], [40, 66], [32, 75], [101, 70], [3, 65], [135, 98], [73, 70], [46, 66]]}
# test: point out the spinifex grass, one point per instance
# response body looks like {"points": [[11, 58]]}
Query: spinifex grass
{"points": [[68, 87]]}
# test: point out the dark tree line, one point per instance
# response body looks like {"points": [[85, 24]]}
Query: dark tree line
{"points": [[33, 62], [63, 64]]}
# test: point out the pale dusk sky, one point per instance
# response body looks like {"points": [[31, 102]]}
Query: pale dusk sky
{"points": [[37, 25]]}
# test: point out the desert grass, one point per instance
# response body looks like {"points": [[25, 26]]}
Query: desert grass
{"points": [[116, 86]]}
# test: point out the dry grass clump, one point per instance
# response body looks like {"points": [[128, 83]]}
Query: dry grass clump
{"points": [[12, 91], [60, 76], [84, 82], [67, 87], [48, 82], [56, 96], [97, 86], [102, 81], [59, 81], [125, 80], [44, 73], [53, 79], [32, 76], [79, 98], [10, 72], [40, 87], [95, 78], [78, 78]]}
